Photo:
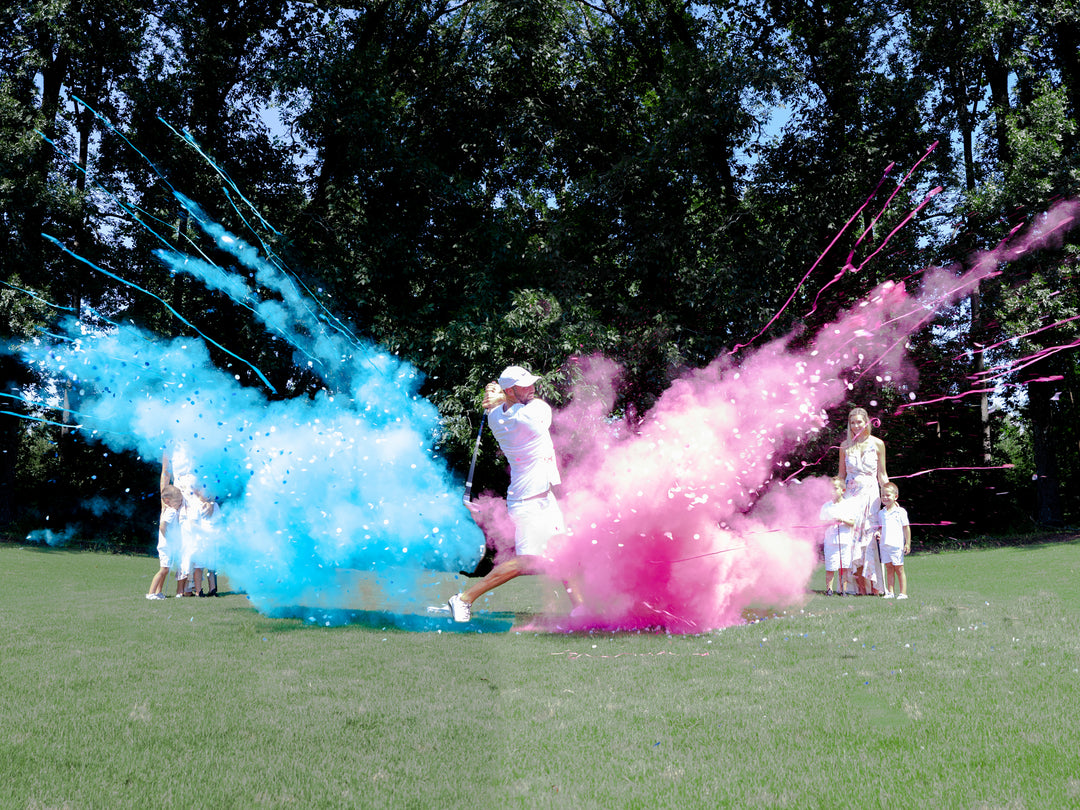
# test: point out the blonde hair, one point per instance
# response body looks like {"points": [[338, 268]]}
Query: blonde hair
{"points": [[869, 425], [890, 486], [860, 412]]}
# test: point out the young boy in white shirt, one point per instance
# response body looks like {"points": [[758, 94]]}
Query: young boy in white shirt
{"points": [[839, 517], [895, 536]]}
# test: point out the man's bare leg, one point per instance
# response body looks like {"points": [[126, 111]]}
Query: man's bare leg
{"points": [[501, 574]]}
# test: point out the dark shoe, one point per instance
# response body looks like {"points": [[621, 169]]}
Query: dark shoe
{"points": [[483, 568]]}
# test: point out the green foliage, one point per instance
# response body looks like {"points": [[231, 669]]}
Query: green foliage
{"points": [[471, 184]]}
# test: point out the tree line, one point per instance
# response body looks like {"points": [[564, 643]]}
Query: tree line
{"points": [[470, 182]]}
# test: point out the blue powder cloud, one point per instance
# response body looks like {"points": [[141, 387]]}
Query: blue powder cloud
{"points": [[310, 488]]}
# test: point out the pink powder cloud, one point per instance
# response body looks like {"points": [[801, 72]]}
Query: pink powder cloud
{"points": [[683, 520]]}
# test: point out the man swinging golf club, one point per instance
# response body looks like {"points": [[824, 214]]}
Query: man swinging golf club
{"points": [[522, 426]]}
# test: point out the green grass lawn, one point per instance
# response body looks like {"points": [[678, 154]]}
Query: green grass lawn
{"points": [[966, 696]]}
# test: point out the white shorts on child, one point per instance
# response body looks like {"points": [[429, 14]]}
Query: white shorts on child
{"points": [[893, 555], [536, 521], [837, 556]]}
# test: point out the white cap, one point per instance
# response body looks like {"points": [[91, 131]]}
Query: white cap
{"points": [[516, 375]]}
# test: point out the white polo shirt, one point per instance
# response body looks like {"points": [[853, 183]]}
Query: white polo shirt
{"points": [[523, 433], [892, 522]]}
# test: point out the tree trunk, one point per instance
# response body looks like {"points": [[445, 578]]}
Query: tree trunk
{"points": [[1066, 47], [997, 74], [976, 338], [1047, 488]]}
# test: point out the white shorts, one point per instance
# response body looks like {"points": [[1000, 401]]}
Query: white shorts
{"points": [[164, 560], [837, 549], [536, 521], [837, 556], [893, 555]]}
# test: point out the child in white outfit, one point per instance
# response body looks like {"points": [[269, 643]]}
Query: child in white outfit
{"points": [[839, 515], [895, 534], [169, 539]]}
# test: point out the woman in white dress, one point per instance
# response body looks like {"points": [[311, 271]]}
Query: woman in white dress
{"points": [[862, 466]]}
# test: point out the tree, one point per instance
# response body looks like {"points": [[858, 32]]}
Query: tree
{"points": [[474, 182], [54, 50]]}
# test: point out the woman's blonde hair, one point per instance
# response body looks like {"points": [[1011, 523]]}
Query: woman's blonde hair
{"points": [[860, 412]]}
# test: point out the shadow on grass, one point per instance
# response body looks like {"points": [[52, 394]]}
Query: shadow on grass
{"points": [[43, 548], [73, 547], [381, 619], [1032, 540]]}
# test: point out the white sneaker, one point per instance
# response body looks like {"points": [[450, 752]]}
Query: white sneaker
{"points": [[151, 596], [887, 595], [901, 596], [459, 608]]}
